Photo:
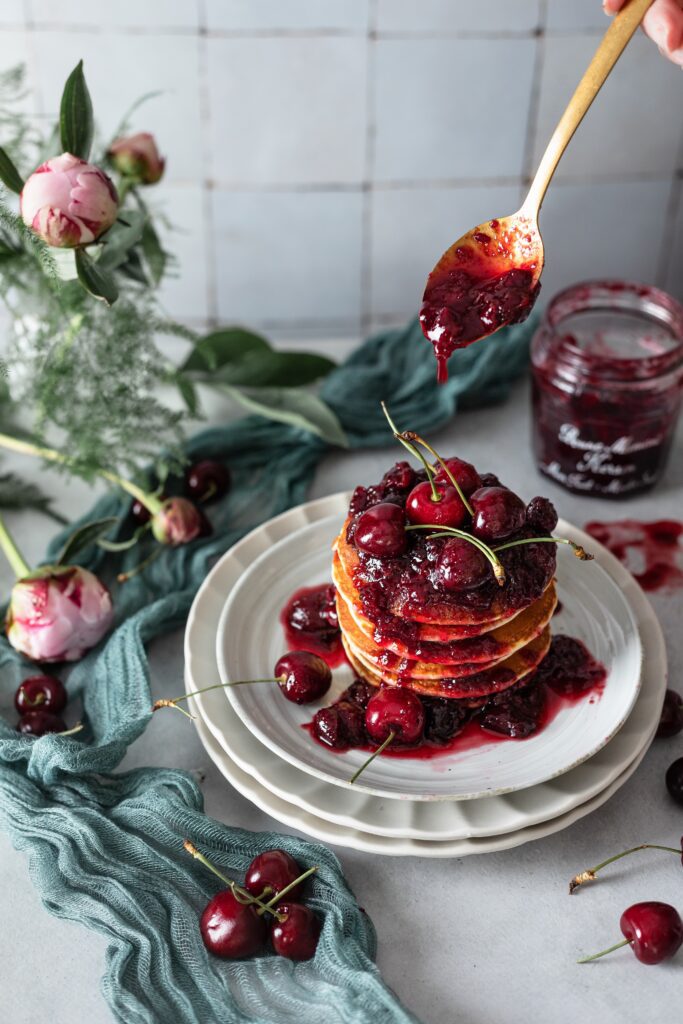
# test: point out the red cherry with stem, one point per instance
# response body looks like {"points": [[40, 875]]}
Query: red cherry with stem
{"points": [[498, 513], [398, 710], [381, 531], [460, 566], [463, 472], [44, 693], [671, 718], [271, 872], [674, 780], [232, 929], [295, 937], [303, 676], [653, 930], [207, 480], [38, 723], [436, 503]]}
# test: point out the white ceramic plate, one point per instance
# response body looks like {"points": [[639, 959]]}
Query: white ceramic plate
{"points": [[250, 640], [400, 819]]}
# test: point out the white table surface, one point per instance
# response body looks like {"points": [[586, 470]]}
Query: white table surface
{"points": [[478, 940]]}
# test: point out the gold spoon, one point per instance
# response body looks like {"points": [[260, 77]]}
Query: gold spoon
{"points": [[490, 276]]}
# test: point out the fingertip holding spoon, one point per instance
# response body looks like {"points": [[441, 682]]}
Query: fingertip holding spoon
{"points": [[490, 277]]}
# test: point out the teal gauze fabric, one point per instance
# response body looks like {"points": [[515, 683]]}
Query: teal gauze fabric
{"points": [[105, 848]]}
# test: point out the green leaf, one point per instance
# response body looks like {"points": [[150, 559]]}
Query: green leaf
{"points": [[98, 283], [9, 174], [221, 347], [85, 536], [75, 115], [188, 392], [276, 369], [16, 493], [298, 408], [120, 239], [133, 268], [153, 252]]}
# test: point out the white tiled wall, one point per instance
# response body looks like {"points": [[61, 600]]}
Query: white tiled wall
{"points": [[322, 153]]}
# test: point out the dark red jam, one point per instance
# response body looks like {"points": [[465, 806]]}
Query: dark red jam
{"points": [[653, 552], [310, 622], [476, 288], [569, 673], [607, 381]]}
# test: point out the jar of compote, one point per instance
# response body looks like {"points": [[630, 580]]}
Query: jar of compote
{"points": [[607, 369]]}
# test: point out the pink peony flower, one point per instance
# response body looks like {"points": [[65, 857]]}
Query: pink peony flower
{"points": [[58, 613], [178, 521], [68, 202], [137, 157]]}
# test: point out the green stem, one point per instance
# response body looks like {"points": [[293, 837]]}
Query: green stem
{"points": [[12, 553], [150, 501], [596, 956], [580, 552], [451, 531], [590, 873], [410, 435], [277, 898], [167, 703], [372, 757], [236, 889]]}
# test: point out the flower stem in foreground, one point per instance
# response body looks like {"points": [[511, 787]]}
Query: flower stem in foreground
{"points": [[14, 556]]}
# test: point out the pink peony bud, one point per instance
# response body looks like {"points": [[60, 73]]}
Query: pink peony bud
{"points": [[178, 521], [137, 157], [58, 613], [68, 202]]}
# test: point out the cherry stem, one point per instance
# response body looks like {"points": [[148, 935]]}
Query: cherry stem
{"points": [[277, 898], [410, 435], [167, 703], [123, 577], [590, 873], [150, 501], [20, 567], [238, 892], [72, 731], [451, 531], [412, 450], [596, 956], [375, 753], [580, 552]]}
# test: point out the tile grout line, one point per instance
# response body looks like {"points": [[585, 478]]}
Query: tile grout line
{"points": [[207, 198], [365, 263]]}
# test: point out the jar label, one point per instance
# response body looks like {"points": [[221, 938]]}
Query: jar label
{"points": [[614, 468]]}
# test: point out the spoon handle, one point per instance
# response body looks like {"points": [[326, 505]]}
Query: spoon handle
{"points": [[607, 54]]}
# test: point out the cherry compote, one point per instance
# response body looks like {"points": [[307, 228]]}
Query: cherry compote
{"points": [[310, 621], [569, 668]]}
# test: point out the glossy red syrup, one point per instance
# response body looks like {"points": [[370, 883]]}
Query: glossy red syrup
{"points": [[309, 620], [653, 551], [475, 289]]}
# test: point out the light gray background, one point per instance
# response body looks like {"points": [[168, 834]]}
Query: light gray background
{"points": [[465, 941]]}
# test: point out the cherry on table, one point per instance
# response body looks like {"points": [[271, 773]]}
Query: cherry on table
{"points": [[207, 480], [671, 718], [44, 693], [498, 513], [424, 509], [654, 931], [39, 723], [460, 566], [462, 472], [674, 780], [296, 937], [271, 872], [381, 531], [398, 710], [232, 929], [302, 676]]}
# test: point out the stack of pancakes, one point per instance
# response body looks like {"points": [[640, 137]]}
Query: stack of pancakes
{"points": [[441, 649]]}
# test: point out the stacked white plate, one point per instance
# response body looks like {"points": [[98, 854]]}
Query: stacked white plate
{"points": [[492, 797]]}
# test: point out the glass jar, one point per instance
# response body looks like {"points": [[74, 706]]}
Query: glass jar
{"points": [[607, 367]]}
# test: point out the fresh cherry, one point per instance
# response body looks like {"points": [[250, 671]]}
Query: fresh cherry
{"points": [[232, 929], [271, 872], [423, 508], [381, 532], [140, 513], [671, 719], [541, 514], [207, 480], [38, 723], [45, 693], [297, 936], [460, 566], [462, 472], [654, 931], [674, 780], [498, 513], [303, 676], [398, 710]]}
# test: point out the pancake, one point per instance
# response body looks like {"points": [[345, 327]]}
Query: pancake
{"points": [[427, 656], [482, 684]]}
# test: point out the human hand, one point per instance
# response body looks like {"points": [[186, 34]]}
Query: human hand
{"points": [[663, 23]]}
